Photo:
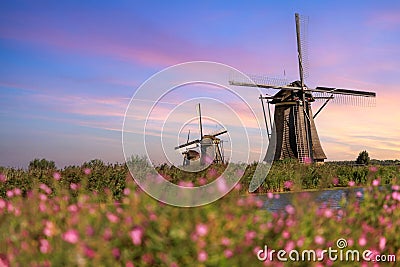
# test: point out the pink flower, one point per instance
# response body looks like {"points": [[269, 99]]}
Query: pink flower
{"points": [[3, 203], [359, 194], [87, 171], [129, 264], [90, 253], [10, 193], [57, 176], [382, 243], [396, 187], [362, 241], [72, 208], [307, 160], [49, 229], [185, 184], [270, 195], [285, 234], [328, 213], [73, 186], [107, 234], [202, 256], [319, 240], [373, 169], [112, 217], [71, 236], [288, 184], [221, 185], [375, 182], [396, 195], [250, 235], [335, 181], [201, 229], [289, 209], [238, 186], [3, 177], [228, 253], [17, 191], [352, 183], [116, 253], [44, 246], [289, 246], [136, 235], [127, 191], [202, 181]]}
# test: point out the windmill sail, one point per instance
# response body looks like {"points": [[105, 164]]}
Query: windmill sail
{"points": [[296, 134]]}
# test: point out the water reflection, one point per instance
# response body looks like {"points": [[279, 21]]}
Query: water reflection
{"points": [[323, 198]]}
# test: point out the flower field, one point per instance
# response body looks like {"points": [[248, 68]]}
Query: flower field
{"points": [[95, 215]]}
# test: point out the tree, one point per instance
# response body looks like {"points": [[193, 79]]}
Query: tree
{"points": [[42, 164], [363, 158]]}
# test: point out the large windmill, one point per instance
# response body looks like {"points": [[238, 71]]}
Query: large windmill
{"points": [[296, 134], [211, 150]]}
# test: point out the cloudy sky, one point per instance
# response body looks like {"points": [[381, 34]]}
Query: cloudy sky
{"points": [[68, 69]]}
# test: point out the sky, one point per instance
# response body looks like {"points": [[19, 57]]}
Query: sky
{"points": [[68, 69]]}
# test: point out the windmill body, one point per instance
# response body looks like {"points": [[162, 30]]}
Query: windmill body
{"points": [[293, 123], [210, 147]]}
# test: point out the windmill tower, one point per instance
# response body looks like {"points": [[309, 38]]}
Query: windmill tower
{"points": [[296, 134], [210, 146]]}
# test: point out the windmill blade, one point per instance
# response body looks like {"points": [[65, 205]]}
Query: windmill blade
{"points": [[187, 140], [261, 81], [346, 99], [200, 123], [303, 34], [188, 144], [339, 91], [222, 131], [267, 86]]}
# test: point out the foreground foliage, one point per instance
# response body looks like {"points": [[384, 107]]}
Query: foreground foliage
{"points": [[69, 218]]}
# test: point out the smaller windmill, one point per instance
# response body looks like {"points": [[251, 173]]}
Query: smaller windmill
{"points": [[210, 146]]}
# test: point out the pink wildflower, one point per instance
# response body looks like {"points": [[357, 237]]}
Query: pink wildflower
{"points": [[73, 186], [202, 256], [57, 176], [319, 240], [375, 182], [289, 209], [10, 193], [201, 229], [352, 183], [288, 184], [44, 246], [17, 191], [382, 243], [87, 171], [362, 241], [71, 236], [136, 236], [228, 253], [112, 217]]}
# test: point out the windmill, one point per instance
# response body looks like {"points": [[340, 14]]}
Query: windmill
{"points": [[296, 134], [210, 146]]}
